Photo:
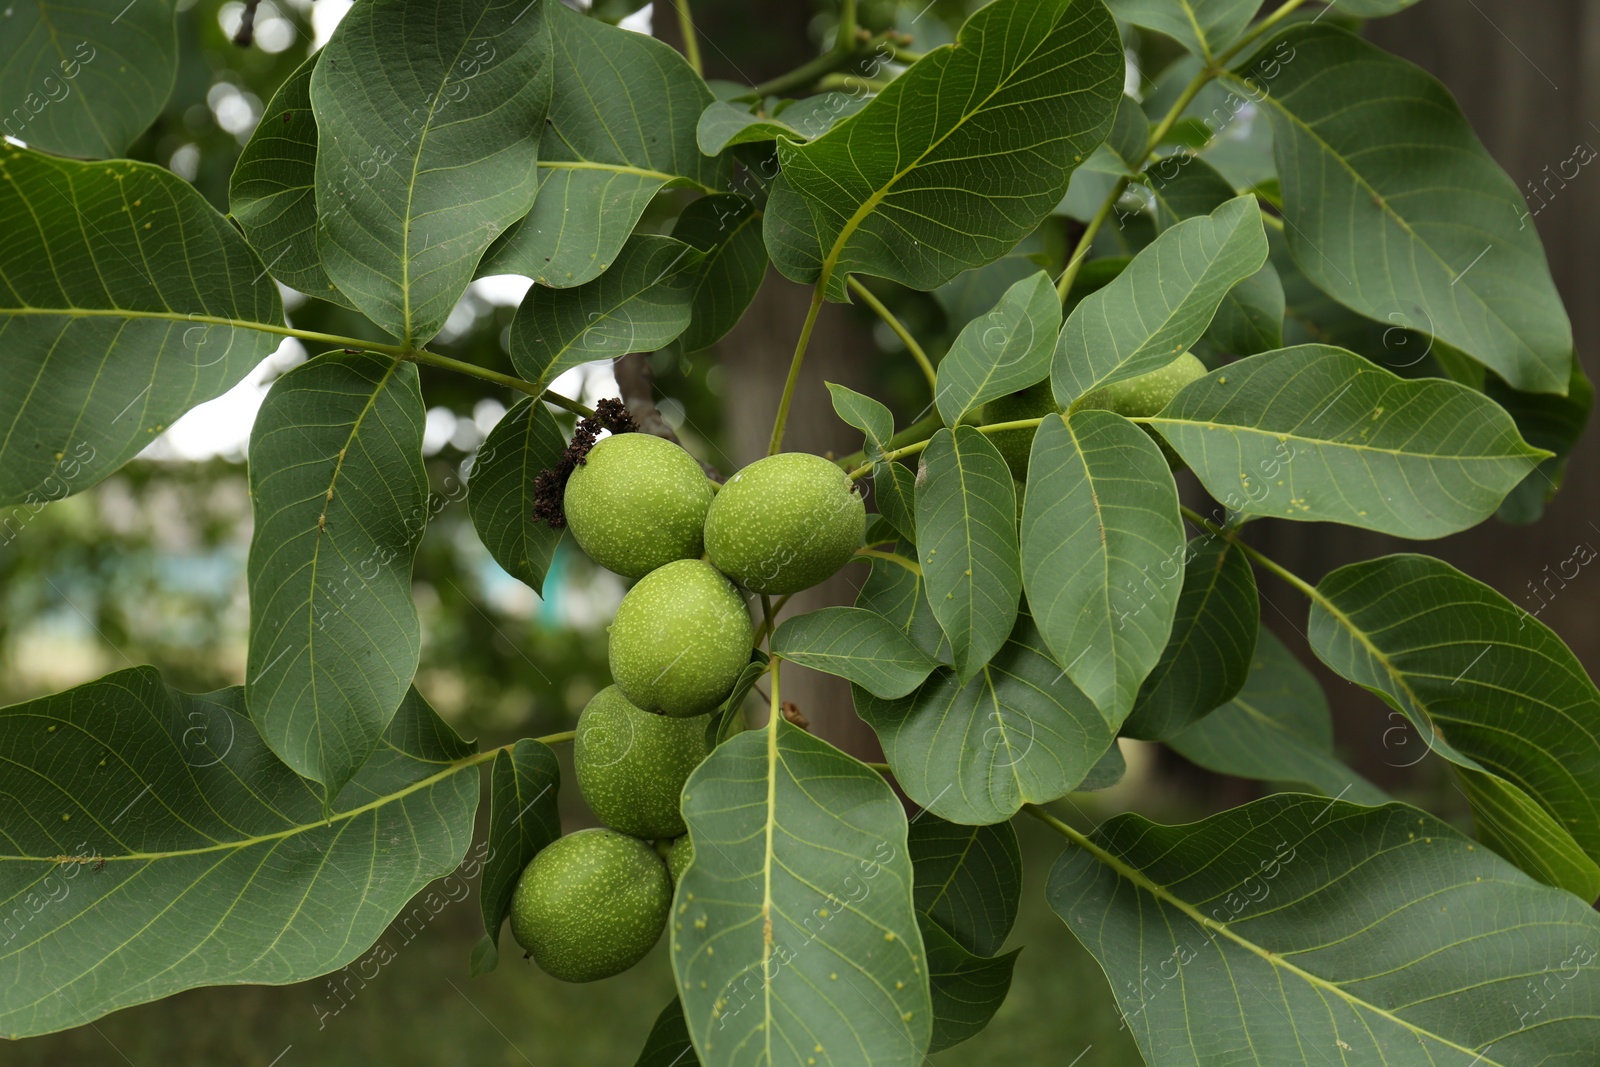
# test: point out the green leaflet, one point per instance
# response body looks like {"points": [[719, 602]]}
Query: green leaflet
{"points": [[1393, 204], [621, 129], [1204, 27], [894, 491], [973, 292], [1102, 553], [966, 989], [219, 864], [1277, 729], [1488, 687], [727, 228], [1250, 317], [523, 443], [986, 131], [1018, 732], [723, 124], [272, 193], [967, 543], [1321, 435], [85, 79], [429, 119], [789, 232], [1298, 925], [1207, 658], [523, 818], [1005, 350], [857, 644], [1553, 423], [969, 879], [727, 720], [1130, 133], [1162, 303], [897, 593], [638, 305], [867, 415], [151, 308], [668, 1043], [341, 500], [794, 925]]}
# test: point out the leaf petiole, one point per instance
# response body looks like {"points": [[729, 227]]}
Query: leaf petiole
{"points": [[900, 331]]}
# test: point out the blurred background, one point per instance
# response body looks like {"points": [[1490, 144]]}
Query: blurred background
{"points": [[148, 567]]}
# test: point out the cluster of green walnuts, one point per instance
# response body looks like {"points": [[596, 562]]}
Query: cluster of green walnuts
{"points": [[594, 902]]}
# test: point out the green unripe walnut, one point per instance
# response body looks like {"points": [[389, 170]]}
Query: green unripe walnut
{"points": [[680, 639], [591, 905], [632, 764], [679, 855], [785, 523], [1015, 445], [1147, 394], [637, 502]]}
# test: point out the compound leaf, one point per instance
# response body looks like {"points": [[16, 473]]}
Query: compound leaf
{"points": [[1204, 27], [1488, 687], [1207, 658], [1276, 729], [668, 1044], [1162, 303], [1005, 350], [638, 305], [1018, 732], [523, 818], [857, 644], [966, 989], [727, 228], [272, 193], [967, 541], [969, 879]]}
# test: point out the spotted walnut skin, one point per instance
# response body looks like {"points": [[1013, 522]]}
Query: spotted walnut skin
{"points": [[591, 905], [632, 764], [636, 503], [680, 639], [785, 523]]}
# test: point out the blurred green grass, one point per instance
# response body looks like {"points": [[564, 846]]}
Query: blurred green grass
{"points": [[423, 1008]]}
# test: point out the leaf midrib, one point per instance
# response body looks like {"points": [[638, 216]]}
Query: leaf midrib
{"points": [[451, 768], [316, 549], [1533, 457], [416, 165], [623, 168], [1132, 874]]}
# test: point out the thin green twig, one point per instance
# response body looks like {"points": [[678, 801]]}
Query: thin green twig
{"points": [[900, 331]]}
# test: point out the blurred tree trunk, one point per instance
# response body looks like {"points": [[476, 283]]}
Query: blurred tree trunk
{"points": [[748, 44]]}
